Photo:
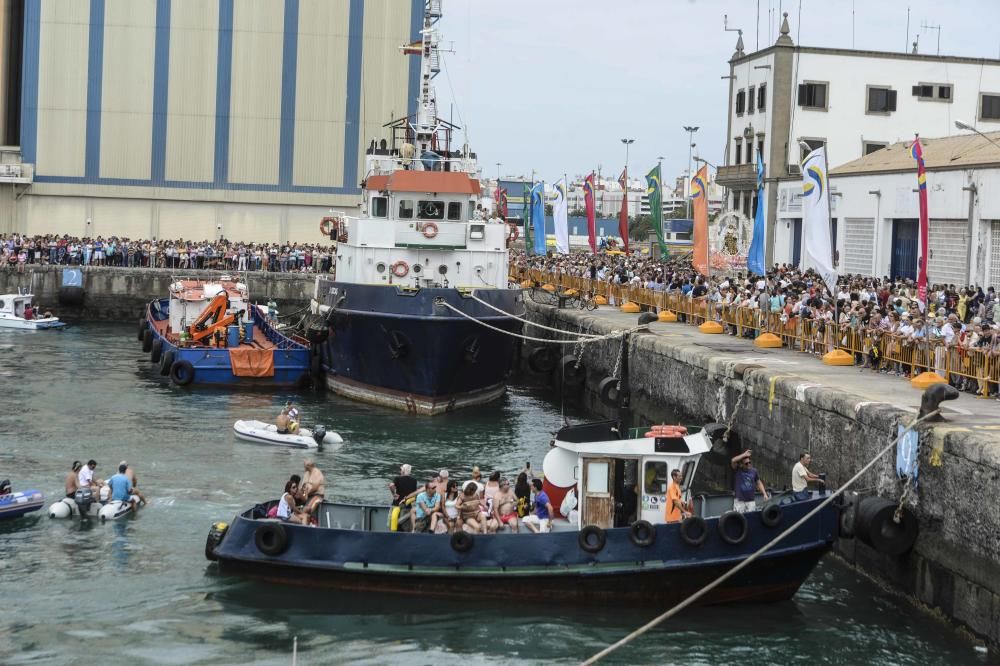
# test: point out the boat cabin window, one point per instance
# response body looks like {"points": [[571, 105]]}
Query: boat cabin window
{"points": [[406, 209], [688, 473], [656, 477], [597, 477], [380, 206], [430, 210], [455, 210]]}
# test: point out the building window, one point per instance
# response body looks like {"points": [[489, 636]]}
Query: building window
{"points": [[762, 97], [741, 102], [739, 152], [940, 92], [989, 106], [812, 95], [751, 98], [881, 100], [813, 145], [760, 147], [870, 147]]}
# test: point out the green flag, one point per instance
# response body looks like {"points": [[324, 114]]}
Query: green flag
{"points": [[654, 192], [529, 244]]}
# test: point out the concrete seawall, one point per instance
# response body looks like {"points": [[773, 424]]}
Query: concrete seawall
{"points": [[121, 294], [790, 402]]}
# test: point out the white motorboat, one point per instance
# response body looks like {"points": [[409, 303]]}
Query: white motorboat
{"points": [[12, 314], [267, 433]]}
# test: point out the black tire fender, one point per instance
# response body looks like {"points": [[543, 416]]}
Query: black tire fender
{"points": [[462, 541], [166, 362], [607, 391], [647, 318], [570, 373], [142, 328], [542, 360], [725, 522], [697, 525], [642, 533], [182, 372], [156, 351], [771, 515], [592, 539], [271, 539], [147, 340]]}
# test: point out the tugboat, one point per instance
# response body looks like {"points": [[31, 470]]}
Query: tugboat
{"points": [[17, 312], [419, 312], [208, 333]]}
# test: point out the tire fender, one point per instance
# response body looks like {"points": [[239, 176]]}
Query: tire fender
{"points": [[271, 539], [694, 531], [182, 372], [592, 539], [726, 521], [642, 533]]}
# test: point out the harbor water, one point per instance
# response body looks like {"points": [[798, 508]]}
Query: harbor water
{"points": [[140, 591]]}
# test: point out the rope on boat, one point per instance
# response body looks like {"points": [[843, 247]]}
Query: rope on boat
{"points": [[584, 341], [531, 323], [742, 565]]}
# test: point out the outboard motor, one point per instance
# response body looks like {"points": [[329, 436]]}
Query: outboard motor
{"points": [[5, 488], [84, 497], [319, 433]]}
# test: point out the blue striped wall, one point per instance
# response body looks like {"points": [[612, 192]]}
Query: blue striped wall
{"points": [[161, 85]]}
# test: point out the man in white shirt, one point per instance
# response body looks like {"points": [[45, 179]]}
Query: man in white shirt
{"points": [[801, 476], [86, 476]]}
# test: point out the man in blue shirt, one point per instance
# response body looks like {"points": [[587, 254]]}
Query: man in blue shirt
{"points": [[746, 482], [427, 509], [121, 487], [539, 522]]}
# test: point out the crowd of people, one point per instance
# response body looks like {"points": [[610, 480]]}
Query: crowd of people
{"points": [[17, 252], [883, 312]]}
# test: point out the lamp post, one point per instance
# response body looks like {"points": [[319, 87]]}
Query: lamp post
{"points": [[627, 142], [965, 126], [690, 129]]}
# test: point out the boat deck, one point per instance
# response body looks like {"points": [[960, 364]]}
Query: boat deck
{"points": [[260, 341]]}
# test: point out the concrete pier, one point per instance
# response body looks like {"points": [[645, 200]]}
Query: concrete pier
{"points": [[789, 402], [121, 294]]}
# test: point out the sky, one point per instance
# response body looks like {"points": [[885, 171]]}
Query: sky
{"points": [[554, 85]]}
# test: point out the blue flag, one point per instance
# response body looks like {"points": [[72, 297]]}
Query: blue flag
{"points": [[538, 216], [755, 256]]}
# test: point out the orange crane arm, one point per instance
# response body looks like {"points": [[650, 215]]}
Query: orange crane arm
{"points": [[211, 319]]}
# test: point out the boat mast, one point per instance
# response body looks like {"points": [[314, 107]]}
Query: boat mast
{"points": [[425, 125]]}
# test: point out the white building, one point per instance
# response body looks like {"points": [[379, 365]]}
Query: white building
{"points": [[879, 209], [854, 102]]}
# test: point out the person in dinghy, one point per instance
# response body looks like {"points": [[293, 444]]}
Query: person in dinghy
{"points": [[122, 490]]}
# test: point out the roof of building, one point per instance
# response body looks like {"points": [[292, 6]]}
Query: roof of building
{"points": [[952, 152], [438, 182]]}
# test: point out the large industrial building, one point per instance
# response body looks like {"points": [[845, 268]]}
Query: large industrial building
{"points": [[195, 119]]}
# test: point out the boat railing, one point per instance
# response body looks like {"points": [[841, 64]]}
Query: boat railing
{"points": [[266, 326]]}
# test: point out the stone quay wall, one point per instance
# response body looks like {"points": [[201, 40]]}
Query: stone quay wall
{"points": [[121, 294], [954, 567]]}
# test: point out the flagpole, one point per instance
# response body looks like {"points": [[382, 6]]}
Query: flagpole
{"points": [[829, 221]]}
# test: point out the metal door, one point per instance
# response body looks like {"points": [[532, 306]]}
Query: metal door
{"points": [[948, 258], [796, 241], [598, 492], [859, 245], [904, 249], [994, 277]]}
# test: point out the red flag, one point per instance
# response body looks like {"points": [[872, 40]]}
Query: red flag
{"points": [[588, 200], [918, 155], [503, 202], [623, 213]]}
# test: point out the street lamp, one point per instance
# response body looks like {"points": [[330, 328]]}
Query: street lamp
{"points": [[690, 129], [627, 142], [965, 126], [704, 161]]}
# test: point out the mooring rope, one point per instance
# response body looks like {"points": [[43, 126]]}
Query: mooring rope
{"points": [[584, 341], [742, 565], [531, 323]]}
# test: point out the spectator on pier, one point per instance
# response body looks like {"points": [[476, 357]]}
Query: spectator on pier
{"points": [[746, 483], [801, 476]]}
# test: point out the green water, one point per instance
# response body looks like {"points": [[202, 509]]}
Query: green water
{"points": [[140, 591]]}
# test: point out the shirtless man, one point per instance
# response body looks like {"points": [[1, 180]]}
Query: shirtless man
{"points": [[506, 503], [313, 487], [72, 478], [130, 475], [282, 422]]}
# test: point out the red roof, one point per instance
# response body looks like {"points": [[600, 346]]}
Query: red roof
{"points": [[438, 182]]}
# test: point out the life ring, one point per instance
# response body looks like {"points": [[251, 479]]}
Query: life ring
{"points": [[515, 232], [271, 539], [770, 515], [542, 360], [326, 226], [147, 340], [142, 327], [400, 268], [156, 351], [642, 533], [166, 362], [182, 372], [696, 523], [430, 230], [667, 431], [726, 519], [461, 541], [592, 539], [607, 391]]}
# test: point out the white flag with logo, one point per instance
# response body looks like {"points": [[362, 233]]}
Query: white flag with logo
{"points": [[816, 218], [560, 217]]}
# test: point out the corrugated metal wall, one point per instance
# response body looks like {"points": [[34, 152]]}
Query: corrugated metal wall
{"points": [[252, 96]]}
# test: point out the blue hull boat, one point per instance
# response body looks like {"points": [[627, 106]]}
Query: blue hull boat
{"points": [[14, 505]]}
